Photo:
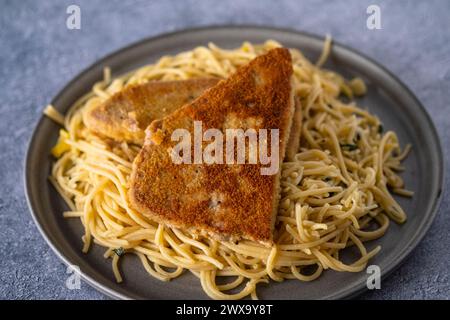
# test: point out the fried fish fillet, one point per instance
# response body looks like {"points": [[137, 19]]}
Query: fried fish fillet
{"points": [[225, 201], [127, 113]]}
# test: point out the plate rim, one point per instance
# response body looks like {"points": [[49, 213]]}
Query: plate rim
{"points": [[347, 293]]}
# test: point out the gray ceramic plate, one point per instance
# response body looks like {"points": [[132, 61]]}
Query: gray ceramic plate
{"points": [[388, 98]]}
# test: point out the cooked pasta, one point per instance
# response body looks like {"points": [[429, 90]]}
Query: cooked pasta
{"points": [[336, 193]]}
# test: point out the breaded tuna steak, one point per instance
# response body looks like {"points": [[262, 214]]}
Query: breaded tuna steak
{"points": [[225, 201], [126, 115]]}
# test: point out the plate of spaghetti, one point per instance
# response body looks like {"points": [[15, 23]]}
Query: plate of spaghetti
{"points": [[360, 190]]}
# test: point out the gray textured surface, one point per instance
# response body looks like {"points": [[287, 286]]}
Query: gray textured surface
{"points": [[39, 55]]}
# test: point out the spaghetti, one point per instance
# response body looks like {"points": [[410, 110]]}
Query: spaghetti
{"points": [[335, 193]]}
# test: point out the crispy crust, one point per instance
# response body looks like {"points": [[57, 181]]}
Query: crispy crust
{"points": [[296, 130], [126, 115], [222, 200]]}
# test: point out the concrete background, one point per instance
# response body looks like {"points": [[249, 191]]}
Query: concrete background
{"points": [[39, 55]]}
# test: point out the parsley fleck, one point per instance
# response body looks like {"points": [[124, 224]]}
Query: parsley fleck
{"points": [[119, 251], [349, 146], [380, 129]]}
